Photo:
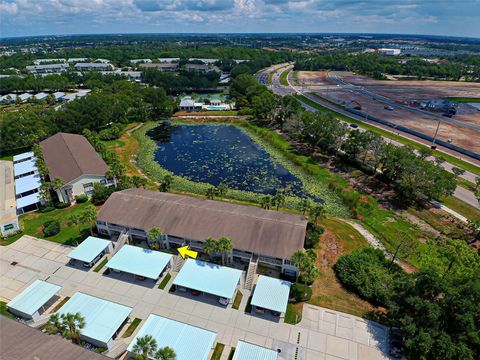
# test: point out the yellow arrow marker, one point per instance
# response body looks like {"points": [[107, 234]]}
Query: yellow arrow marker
{"points": [[185, 251]]}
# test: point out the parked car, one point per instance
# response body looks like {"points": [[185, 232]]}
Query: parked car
{"points": [[223, 301], [389, 108], [195, 292], [141, 278], [396, 343], [353, 125]]}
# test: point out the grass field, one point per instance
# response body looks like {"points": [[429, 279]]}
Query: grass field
{"points": [[449, 158], [237, 300], [4, 311], [32, 224], [132, 327], [101, 265], [165, 281], [462, 208], [464, 99], [283, 77], [217, 353]]}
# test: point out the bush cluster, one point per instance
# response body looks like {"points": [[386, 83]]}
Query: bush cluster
{"points": [[299, 293], [51, 228], [81, 199]]}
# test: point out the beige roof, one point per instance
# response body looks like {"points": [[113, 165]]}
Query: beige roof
{"points": [[159, 65], [19, 341], [69, 156], [8, 204], [252, 229]]}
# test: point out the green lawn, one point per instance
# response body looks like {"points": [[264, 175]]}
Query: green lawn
{"points": [[449, 158], [283, 77], [217, 353], [466, 184], [293, 315], [132, 327], [237, 300], [101, 265], [60, 304], [462, 208], [32, 224], [464, 99], [4, 311], [165, 281]]}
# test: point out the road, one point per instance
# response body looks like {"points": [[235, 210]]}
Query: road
{"points": [[460, 193]]}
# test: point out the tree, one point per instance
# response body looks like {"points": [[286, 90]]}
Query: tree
{"points": [[317, 212], [305, 205], [165, 353], [279, 199], [72, 326], [75, 220], [474, 227], [138, 182], [166, 183], [210, 193], [221, 189], [45, 192], [225, 247], [305, 262], [89, 217], [57, 184], [54, 324], [266, 202], [145, 347], [477, 182], [210, 246], [154, 234]]}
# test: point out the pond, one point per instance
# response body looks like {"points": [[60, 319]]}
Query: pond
{"points": [[221, 153]]}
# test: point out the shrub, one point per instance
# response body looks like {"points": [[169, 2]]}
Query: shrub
{"points": [[46, 208], [61, 205], [313, 236], [81, 198], [368, 273], [51, 228], [300, 293], [101, 193]]}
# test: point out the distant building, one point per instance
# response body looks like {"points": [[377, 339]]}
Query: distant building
{"points": [[8, 204], [103, 61], [8, 99], [201, 68], [58, 96], [76, 60], [145, 61], [48, 61], [73, 159], [47, 68], [24, 97], [188, 104], [40, 96], [205, 61], [93, 66], [389, 52], [168, 60], [171, 66]]}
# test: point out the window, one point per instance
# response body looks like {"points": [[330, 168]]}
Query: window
{"points": [[287, 262], [8, 227], [87, 185], [101, 222]]}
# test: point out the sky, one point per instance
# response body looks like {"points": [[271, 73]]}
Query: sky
{"points": [[49, 17]]}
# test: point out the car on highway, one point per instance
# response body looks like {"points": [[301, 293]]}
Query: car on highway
{"points": [[353, 125], [389, 108]]}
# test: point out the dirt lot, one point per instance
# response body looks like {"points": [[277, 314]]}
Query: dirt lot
{"points": [[312, 78]]}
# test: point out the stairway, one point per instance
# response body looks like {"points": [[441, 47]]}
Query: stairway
{"points": [[122, 240], [251, 272], [178, 262]]}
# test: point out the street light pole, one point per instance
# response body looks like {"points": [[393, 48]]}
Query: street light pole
{"points": [[435, 136]]}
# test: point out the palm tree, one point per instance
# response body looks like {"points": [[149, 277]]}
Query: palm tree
{"points": [[317, 212], [298, 259], [304, 205], [145, 346], [75, 220], [45, 193], [57, 184], [89, 217], [210, 193], [225, 246], [165, 353], [266, 202], [54, 324], [210, 246], [222, 189], [279, 199], [73, 323], [305, 262]]}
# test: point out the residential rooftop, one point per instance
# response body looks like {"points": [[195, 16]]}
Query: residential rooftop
{"points": [[20, 341], [253, 229], [189, 342], [69, 156], [89, 249], [248, 351], [209, 278]]}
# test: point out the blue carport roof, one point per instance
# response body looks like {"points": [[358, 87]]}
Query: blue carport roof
{"points": [[28, 200], [139, 261], [209, 278], [89, 249], [247, 351], [271, 293], [189, 342], [27, 183], [34, 297], [23, 156], [102, 317], [24, 167]]}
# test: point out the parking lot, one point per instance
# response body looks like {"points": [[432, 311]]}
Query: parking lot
{"points": [[322, 334]]}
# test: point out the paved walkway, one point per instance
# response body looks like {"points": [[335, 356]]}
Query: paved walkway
{"points": [[322, 334]]}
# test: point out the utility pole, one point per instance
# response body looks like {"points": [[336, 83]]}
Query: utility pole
{"points": [[435, 136]]}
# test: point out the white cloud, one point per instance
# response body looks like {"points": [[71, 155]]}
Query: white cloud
{"points": [[8, 8]]}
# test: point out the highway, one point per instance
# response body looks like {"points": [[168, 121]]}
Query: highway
{"points": [[460, 193]]}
